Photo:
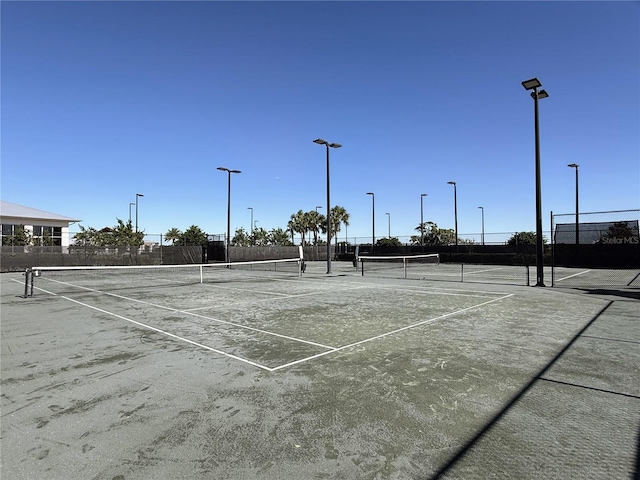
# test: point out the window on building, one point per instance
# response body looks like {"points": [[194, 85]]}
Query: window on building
{"points": [[47, 236]]}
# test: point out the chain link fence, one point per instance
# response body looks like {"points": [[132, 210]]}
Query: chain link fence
{"points": [[15, 259], [596, 250]]}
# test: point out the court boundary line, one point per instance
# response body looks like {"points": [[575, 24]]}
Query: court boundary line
{"points": [[328, 351], [391, 332], [472, 272], [175, 310], [574, 275], [169, 334]]}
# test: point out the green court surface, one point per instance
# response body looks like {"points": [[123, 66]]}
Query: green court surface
{"points": [[338, 376]]}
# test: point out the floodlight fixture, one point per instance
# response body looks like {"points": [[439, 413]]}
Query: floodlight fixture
{"points": [[531, 84]]}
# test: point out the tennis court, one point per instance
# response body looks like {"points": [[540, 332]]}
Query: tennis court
{"points": [[275, 375]]}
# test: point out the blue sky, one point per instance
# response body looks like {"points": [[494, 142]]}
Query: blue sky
{"points": [[103, 100]]}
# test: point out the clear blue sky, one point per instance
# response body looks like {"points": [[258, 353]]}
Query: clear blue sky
{"points": [[103, 100]]}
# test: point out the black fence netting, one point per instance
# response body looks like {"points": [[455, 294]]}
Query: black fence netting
{"points": [[597, 250], [15, 259]]}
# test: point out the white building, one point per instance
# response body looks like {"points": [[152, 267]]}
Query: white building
{"points": [[40, 225]]}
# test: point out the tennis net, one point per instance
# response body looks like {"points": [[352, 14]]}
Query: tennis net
{"points": [[402, 266], [63, 279]]}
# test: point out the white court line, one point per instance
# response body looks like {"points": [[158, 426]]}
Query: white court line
{"points": [[223, 287], [245, 327], [424, 322], [482, 271], [264, 367], [239, 302], [438, 291], [177, 337], [574, 275]]}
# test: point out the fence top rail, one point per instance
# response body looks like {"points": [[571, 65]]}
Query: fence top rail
{"points": [[573, 214]]}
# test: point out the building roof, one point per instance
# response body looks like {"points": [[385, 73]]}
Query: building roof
{"points": [[8, 209]]}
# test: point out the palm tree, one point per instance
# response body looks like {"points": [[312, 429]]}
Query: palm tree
{"points": [[172, 234], [315, 221], [290, 229], [298, 224], [338, 216]]}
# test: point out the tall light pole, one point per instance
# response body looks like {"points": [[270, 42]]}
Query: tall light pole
{"points": [[534, 84], [130, 205], [228, 239], [422, 195], [455, 210], [575, 165], [389, 223], [137, 196], [320, 141], [251, 208], [373, 219], [482, 208]]}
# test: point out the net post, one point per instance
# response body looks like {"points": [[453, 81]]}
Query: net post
{"points": [[28, 280], [404, 264], [362, 267], [462, 272], [201, 274], [527, 270]]}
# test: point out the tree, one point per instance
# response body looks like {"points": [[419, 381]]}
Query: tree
{"points": [[434, 236], [524, 238], [259, 237], [172, 234], [620, 233], [241, 238], [278, 236], [20, 237], [290, 230], [389, 242], [121, 235], [298, 224], [193, 236], [315, 222], [47, 240], [86, 237], [415, 239], [338, 216]]}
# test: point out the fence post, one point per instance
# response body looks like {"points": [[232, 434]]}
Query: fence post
{"points": [[553, 253]]}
